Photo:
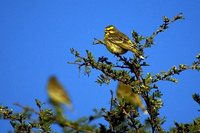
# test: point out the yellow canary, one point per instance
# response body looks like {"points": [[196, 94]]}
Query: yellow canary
{"points": [[124, 91], [56, 92], [118, 43]]}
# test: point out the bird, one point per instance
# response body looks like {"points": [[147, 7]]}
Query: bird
{"points": [[125, 91], [57, 94], [118, 43]]}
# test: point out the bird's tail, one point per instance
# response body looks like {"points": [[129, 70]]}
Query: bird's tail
{"points": [[138, 53], [70, 107], [143, 109]]}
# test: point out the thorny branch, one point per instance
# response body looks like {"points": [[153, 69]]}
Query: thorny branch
{"points": [[162, 28]]}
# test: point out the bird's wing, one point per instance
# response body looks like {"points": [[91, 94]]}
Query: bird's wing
{"points": [[122, 41]]}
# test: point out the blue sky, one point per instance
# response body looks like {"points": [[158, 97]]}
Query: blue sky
{"points": [[35, 38]]}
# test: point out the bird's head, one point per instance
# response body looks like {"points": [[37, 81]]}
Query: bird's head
{"points": [[52, 79], [110, 29]]}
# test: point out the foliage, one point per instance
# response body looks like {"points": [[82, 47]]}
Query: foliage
{"points": [[121, 117]]}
